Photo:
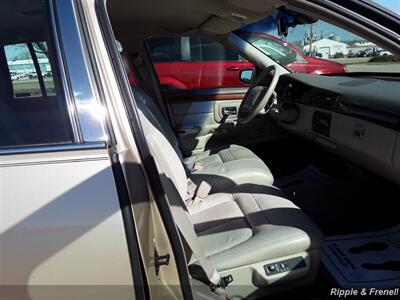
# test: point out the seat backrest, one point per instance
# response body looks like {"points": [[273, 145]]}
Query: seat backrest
{"points": [[155, 116], [152, 112], [161, 148]]}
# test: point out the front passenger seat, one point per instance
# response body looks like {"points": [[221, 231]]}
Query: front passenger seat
{"points": [[223, 167], [251, 232]]}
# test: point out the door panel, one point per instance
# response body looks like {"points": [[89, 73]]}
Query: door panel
{"points": [[60, 223], [194, 123], [207, 118]]}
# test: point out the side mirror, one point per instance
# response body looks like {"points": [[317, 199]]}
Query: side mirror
{"points": [[246, 76]]}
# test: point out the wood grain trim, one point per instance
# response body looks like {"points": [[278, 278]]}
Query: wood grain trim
{"points": [[199, 98]]}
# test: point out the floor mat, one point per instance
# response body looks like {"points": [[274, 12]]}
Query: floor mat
{"points": [[364, 260], [308, 177]]}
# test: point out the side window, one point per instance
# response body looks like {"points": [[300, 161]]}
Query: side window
{"points": [[33, 110], [30, 69], [165, 49], [195, 62], [214, 51]]}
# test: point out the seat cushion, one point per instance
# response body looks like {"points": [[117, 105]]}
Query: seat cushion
{"points": [[222, 154], [227, 167], [219, 218], [264, 225]]}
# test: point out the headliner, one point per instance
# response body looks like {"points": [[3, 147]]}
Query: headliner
{"points": [[179, 17]]}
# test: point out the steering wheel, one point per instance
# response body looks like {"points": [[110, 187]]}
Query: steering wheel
{"points": [[258, 96]]}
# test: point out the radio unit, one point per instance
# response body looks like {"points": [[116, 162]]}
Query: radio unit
{"points": [[321, 123]]}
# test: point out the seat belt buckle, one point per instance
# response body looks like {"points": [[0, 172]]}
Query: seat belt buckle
{"points": [[198, 166], [191, 189], [219, 289], [225, 281], [202, 191]]}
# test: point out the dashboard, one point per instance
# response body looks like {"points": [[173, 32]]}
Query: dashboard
{"points": [[357, 118]]}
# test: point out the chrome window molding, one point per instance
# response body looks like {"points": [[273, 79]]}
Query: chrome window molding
{"points": [[63, 78], [52, 148], [85, 109]]}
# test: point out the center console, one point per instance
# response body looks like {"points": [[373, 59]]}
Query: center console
{"points": [[321, 123]]}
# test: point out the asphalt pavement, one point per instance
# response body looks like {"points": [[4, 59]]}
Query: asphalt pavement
{"points": [[362, 64], [374, 67]]}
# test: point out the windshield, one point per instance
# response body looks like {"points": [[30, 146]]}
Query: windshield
{"points": [[318, 47]]}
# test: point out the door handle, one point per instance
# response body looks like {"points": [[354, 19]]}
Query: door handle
{"points": [[229, 111], [233, 68]]}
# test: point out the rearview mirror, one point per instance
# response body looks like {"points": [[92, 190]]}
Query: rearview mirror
{"points": [[246, 76], [283, 26]]}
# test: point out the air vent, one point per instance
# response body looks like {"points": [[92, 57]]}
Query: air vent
{"points": [[326, 101]]}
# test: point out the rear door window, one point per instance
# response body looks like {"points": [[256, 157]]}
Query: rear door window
{"points": [[33, 109]]}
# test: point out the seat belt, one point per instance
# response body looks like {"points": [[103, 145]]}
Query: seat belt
{"points": [[186, 228], [147, 79]]}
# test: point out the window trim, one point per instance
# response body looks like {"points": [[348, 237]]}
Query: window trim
{"points": [[77, 116], [79, 90], [37, 69], [52, 148]]}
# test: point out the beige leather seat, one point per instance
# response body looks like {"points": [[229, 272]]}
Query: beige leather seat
{"points": [[224, 167], [246, 232], [232, 219]]}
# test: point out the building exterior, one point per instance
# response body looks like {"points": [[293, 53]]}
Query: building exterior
{"points": [[327, 48], [363, 46], [26, 66]]}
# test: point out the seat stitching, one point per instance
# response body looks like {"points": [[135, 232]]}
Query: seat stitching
{"points": [[215, 204], [219, 153], [231, 154], [219, 226], [267, 243], [265, 217]]}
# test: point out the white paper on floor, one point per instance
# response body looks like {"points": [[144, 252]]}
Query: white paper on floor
{"points": [[364, 260]]}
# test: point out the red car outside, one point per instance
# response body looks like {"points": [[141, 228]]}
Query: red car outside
{"points": [[197, 62], [291, 57]]}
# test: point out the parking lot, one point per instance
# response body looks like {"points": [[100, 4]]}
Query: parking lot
{"points": [[31, 86], [362, 64]]}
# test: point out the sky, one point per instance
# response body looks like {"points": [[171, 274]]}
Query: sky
{"points": [[320, 28], [391, 4], [297, 33], [12, 51]]}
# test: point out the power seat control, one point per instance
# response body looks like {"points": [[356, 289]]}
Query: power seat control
{"points": [[284, 266]]}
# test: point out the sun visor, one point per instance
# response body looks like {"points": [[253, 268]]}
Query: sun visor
{"points": [[217, 25]]}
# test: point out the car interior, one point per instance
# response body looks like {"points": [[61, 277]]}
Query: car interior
{"points": [[290, 182]]}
